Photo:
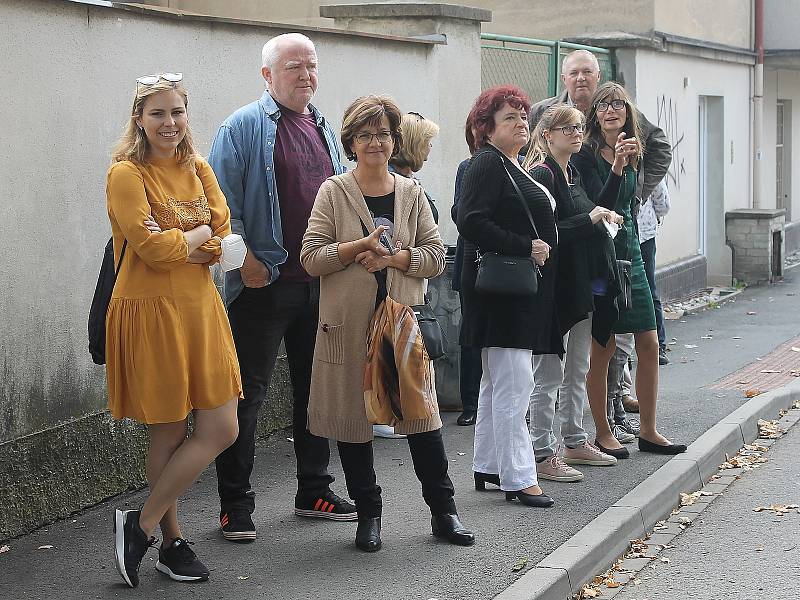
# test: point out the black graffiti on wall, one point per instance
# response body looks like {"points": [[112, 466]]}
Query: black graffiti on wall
{"points": [[667, 120]]}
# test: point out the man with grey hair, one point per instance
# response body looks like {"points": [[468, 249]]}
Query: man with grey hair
{"points": [[270, 158]]}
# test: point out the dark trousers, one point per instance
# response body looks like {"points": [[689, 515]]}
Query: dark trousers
{"points": [[470, 371], [430, 465], [260, 318], [649, 259]]}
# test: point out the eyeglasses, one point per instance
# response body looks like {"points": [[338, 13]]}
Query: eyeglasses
{"points": [[569, 129], [364, 138], [149, 80], [615, 104], [416, 114]]}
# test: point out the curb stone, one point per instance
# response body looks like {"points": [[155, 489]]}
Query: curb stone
{"points": [[563, 572]]}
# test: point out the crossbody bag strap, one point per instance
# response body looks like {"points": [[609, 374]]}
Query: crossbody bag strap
{"points": [[121, 256], [522, 201]]}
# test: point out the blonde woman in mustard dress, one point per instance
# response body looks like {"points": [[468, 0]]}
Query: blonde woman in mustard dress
{"points": [[169, 350]]}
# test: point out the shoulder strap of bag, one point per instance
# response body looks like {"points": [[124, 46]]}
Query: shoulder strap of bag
{"points": [[522, 199], [121, 256]]}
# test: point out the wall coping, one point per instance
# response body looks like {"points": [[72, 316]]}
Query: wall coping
{"points": [[755, 213], [405, 9], [184, 15]]}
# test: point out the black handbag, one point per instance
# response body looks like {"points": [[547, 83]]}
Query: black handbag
{"points": [[507, 275], [102, 296], [432, 334]]}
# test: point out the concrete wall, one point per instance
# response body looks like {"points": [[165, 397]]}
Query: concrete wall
{"points": [[661, 95], [69, 71], [781, 24], [700, 19]]}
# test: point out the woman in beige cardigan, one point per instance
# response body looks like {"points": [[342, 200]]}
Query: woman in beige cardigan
{"points": [[349, 263]]}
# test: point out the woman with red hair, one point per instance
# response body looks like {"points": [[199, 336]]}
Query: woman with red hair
{"points": [[503, 210]]}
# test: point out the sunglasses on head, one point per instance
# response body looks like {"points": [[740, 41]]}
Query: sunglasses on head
{"points": [[416, 114], [149, 80]]}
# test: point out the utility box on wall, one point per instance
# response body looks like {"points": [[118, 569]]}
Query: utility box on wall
{"points": [[756, 238]]}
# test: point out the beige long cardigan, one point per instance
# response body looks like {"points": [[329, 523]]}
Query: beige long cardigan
{"points": [[347, 298]]}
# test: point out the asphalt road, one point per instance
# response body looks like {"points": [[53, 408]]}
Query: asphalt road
{"points": [[730, 551], [300, 558]]}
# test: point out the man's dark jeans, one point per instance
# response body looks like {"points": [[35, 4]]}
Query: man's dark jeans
{"points": [[649, 259], [260, 318], [470, 371]]}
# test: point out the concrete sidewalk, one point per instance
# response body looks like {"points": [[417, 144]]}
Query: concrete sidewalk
{"points": [[299, 558]]}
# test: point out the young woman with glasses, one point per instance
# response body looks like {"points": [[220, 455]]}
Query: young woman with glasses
{"points": [[613, 150], [169, 349], [585, 257]]}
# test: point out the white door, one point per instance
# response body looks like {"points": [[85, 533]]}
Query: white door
{"points": [[711, 207]]}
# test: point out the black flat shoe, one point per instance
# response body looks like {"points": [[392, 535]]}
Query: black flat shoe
{"points": [[368, 534], [449, 527], [467, 418], [538, 500], [616, 453], [481, 479], [671, 449]]}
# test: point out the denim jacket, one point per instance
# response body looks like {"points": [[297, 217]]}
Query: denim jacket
{"points": [[242, 156]]}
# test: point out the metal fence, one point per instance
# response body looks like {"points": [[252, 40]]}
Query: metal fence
{"points": [[534, 65]]}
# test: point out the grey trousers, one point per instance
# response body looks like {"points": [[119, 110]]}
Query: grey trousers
{"points": [[561, 387], [619, 378]]}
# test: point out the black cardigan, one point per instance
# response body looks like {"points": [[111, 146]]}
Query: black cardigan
{"points": [[491, 217], [585, 251]]}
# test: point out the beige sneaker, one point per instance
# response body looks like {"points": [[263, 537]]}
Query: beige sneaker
{"points": [[588, 455], [556, 469]]}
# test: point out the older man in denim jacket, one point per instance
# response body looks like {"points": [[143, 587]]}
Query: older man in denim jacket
{"points": [[270, 158]]}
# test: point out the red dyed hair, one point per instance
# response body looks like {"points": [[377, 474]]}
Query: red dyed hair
{"points": [[481, 117]]}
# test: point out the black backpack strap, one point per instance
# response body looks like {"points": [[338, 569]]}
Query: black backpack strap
{"points": [[121, 256]]}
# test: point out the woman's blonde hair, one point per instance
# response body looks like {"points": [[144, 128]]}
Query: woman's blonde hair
{"points": [[133, 144], [558, 115], [417, 135], [594, 134], [366, 111]]}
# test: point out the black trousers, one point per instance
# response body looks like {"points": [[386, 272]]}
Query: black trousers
{"points": [[470, 371], [430, 465], [260, 318]]}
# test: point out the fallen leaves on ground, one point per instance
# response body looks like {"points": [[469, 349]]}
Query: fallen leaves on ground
{"points": [[4, 549], [749, 457], [752, 393], [243, 577], [689, 499], [779, 509], [770, 371], [45, 547], [521, 563], [769, 429]]}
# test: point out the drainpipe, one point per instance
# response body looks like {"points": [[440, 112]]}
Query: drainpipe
{"points": [[758, 103]]}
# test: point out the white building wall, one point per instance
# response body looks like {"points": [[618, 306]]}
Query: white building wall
{"points": [[672, 102]]}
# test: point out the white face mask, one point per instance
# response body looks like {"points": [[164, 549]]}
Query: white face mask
{"points": [[233, 252]]}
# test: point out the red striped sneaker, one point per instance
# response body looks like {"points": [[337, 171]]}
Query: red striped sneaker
{"points": [[237, 526], [328, 506]]}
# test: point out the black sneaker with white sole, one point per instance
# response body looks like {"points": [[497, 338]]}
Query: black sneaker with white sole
{"points": [[327, 506], [180, 563], [237, 526], [130, 545]]}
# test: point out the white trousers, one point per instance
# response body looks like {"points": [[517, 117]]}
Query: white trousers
{"points": [[563, 385], [502, 443]]}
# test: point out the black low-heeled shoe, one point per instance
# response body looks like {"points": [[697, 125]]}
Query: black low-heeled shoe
{"points": [[467, 418], [449, 526], [652, 447], [615, 452], [368, 534], [538, 500], [481, 479]]}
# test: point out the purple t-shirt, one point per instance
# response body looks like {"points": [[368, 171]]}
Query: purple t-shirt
{"points": [[302, 163]]}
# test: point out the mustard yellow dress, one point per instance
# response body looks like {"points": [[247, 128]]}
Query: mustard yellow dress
{"points": [[169, 347]]}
